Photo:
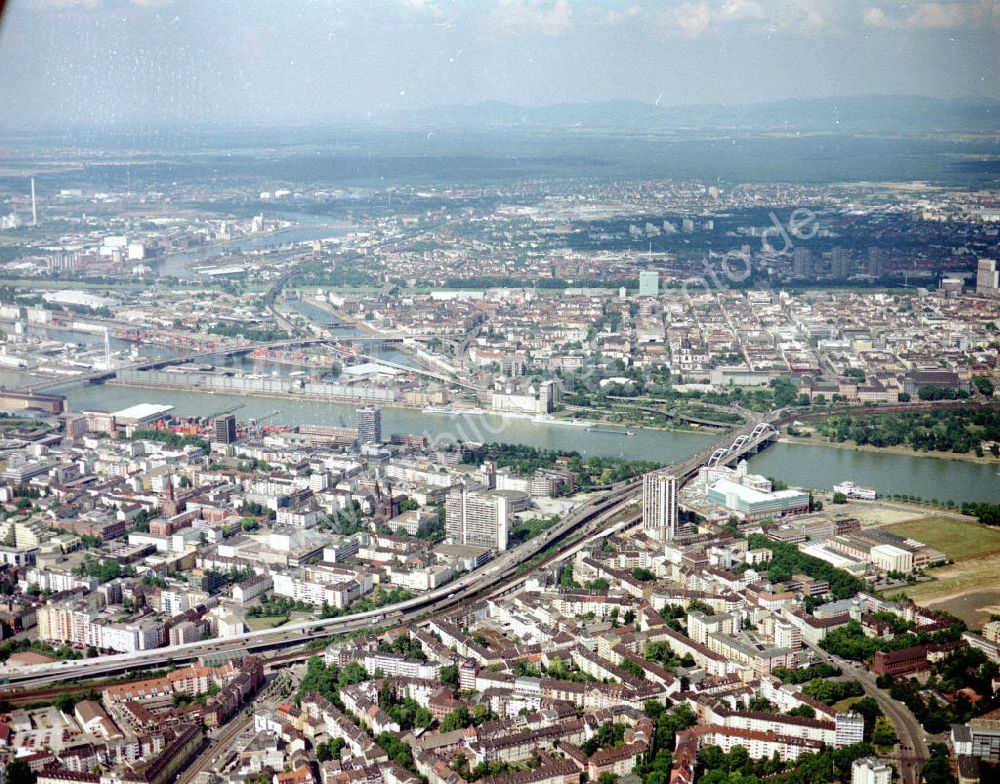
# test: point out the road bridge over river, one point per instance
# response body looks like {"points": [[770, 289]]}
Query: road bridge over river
{"points": [[605, 512]]}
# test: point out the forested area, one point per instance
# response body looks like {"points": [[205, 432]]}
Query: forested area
{"points": [[941, 430]]}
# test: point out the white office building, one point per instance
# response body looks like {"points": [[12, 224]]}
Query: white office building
{"points": [[850, 729], [649, 283]]}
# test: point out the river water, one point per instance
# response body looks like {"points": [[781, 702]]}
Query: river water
{"points": [[802, 465], [798, 464], [179, 264]]}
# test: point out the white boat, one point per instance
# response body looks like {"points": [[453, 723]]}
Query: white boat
{"points": [[851, 490]]}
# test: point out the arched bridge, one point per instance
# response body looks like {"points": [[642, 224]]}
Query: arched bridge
{"points": [[743, 444]]}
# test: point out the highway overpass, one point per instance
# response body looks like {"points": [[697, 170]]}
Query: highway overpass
{"points": [[462, 589], [501, 575]]}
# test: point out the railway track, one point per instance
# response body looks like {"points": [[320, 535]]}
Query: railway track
{"points": [[215, 747], [612, 513], [19, 699], [506, 581], [581, 520]]}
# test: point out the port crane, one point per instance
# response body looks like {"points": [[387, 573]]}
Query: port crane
{"points": [[254, 425], [230, 410]]}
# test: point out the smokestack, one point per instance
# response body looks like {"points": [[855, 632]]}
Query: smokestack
{"points": [[34, 205], [107, 349]]}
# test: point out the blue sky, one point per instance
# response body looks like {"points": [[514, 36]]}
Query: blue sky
{"points": [[276, 61]]}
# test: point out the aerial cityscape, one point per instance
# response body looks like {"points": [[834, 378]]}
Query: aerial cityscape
{"points": [[515, 392]]}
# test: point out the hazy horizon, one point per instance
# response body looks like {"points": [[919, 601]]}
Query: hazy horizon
{"points": [[110, 63]]}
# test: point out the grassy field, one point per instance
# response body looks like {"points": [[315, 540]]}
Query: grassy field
{"points": [[960, 540], [967, 587], [842, 706]]}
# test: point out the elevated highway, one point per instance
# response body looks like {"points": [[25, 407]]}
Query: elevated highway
{"points": [[610, 510], [469, 586]]}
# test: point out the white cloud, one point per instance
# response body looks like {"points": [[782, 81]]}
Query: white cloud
{"points": [[807, 14], [548, 19], [65, 5], [693, 19], [613, 16], [95, 5], [936, 15], [876, 17], [422, 7], [939, 15], [738, 10]]}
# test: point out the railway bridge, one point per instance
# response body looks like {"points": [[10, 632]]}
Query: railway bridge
{"points": [[49, 386], [744, 444]]}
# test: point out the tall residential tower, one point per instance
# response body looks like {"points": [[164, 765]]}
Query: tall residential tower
{"points": [[369, 425], [477, 518], [659, 505], [987, 278]]}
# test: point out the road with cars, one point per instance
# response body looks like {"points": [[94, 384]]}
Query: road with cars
{"points": [[588, 521], [911, 751], [468, 586]]}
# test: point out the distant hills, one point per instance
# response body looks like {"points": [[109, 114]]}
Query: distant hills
{"points": [[508, 125], [892, 114]]}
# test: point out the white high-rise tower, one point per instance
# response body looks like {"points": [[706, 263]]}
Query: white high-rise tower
{"points": [[659, 505], [34, 204], [369, 425]]}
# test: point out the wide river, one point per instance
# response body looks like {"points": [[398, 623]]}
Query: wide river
{"points": [[802, 465]]}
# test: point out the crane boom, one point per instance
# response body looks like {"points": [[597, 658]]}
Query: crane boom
{"points": [[253, 424], [226, 411]]}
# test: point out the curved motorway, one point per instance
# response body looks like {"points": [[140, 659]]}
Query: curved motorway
{"points": [[502, 570], [605, 513], [911, 751], [501, 575]]}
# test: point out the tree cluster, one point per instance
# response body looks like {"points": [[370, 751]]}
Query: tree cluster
{"points": [[957, 430], [850, 642], [736, 767], [787, 560]]}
